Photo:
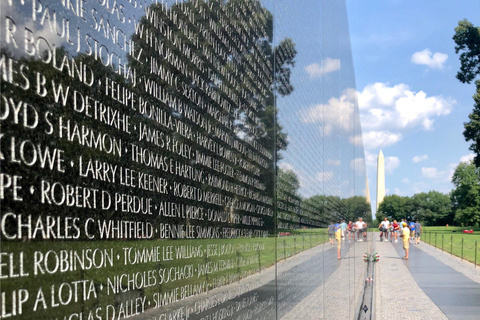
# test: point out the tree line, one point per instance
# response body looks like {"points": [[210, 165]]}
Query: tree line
{"points": [[460, 207]]}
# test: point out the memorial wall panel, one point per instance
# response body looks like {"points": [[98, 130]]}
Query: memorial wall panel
{"points": [[177, 159]]}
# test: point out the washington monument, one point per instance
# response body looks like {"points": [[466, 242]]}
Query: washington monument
{"points": [[380, 178]]}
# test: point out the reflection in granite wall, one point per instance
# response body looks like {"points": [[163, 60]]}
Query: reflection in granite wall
{"points": [[177, 160]]}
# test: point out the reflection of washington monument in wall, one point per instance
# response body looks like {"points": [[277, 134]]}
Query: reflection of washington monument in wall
{"points": [[368, 190], [380, 178]]}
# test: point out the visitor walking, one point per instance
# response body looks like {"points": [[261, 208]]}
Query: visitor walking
{"points": [[338, 237], [411, 226], [350, 230], [360, 226], [383, 227], [406, 237], [418, 232], [396, 229], [331, 233], [343, 225]]}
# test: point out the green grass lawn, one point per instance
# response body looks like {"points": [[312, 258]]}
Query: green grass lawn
{"points": [[244, 257], [452, 239]]}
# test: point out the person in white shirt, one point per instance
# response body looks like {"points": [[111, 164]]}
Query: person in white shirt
{"points": [[360, 226], [384, 226]]}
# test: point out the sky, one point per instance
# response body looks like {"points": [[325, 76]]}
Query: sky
{"points": [[411, 105]]}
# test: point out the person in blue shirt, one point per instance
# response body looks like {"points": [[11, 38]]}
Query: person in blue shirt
{"points": [[343, 225], [411, 226]]}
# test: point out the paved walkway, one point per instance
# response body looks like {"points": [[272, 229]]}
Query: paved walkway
{"points": [[310, 285], [430, 285], [339, 296], [315, 285]]}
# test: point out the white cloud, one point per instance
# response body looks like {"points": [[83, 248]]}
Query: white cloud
{"points": [[431, 60], [397, 191], [356, 140], [467, 158], [433, 173], [380, 139], [396, 108], [332, 162], [286, 166], [451, 171], [370, 159], [339, 115], [327, 65], [453, 166], [419, 187], [23, 21], [302, 177], [420, 158], [358, 164], [309, 185], [405, 180], [325, 176], [430, 172], [391, 163], [442, 175]]}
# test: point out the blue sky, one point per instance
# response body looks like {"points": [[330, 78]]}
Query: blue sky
{"points": [[411, 105]]}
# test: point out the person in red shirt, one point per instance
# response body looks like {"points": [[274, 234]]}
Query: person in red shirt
{"points": [[396, 229], [350, 230]]}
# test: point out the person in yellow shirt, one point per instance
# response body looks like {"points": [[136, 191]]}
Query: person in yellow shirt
{"points": [[406, 239], [338, 237]]}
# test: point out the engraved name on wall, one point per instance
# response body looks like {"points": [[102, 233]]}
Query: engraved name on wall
{"points": [[137, 159]]}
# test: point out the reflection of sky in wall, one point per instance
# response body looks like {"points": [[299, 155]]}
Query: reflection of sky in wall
{"points": [[321, 116], [46, 19]]}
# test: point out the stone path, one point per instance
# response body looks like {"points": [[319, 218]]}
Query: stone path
{"points": [[290, 281], [339, 296], [397, 294], [432, 284], [465, 267]]}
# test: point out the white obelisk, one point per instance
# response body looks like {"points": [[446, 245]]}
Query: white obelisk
{"points": [[380, 178]]}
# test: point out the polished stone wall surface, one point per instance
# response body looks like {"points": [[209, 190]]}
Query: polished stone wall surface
{"points": [[175, 159]]}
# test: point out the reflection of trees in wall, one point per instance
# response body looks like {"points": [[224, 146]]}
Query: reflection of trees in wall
{"points": [[245, 75], [56, 98], [315, 211], [356, 207], [219, 85], [227, 53]]}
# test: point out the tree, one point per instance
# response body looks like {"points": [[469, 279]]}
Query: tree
{"points": [[357, 206], [467, 39], [432, 208], [392, 206], [466, 194], [234, 74], [472, 127]]}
